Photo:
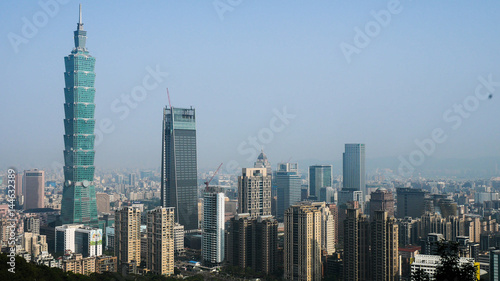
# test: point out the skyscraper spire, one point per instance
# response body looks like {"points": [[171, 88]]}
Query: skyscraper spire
{"points": [[80, 23], [80, 34]]}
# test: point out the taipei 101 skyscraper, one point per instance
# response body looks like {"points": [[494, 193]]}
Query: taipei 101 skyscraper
{"points": [[79, 200]]}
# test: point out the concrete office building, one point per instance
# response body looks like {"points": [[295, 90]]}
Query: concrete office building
{"points": [[411, 202], [288, 184], [65, 237], [353, 160], [34, 188], [319, 176]]}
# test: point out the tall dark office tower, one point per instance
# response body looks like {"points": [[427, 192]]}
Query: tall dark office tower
{"points": [[354, 166], [411, 202], [288, 183], [319, 176], [179, 183], [79, 201]]}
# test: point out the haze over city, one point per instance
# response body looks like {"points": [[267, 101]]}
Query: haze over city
{"points": [[242, 67]]}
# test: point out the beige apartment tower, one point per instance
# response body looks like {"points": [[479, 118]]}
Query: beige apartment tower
{"points": [[161, 221], [254, 192], [302, 245], [128, 236]]}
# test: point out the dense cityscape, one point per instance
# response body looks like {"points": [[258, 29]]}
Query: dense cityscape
{"points": [[273, 220]]}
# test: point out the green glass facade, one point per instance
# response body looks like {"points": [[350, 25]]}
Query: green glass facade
{"points": [[79, 199], [179, 169]]}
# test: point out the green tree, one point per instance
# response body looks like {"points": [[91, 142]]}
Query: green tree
{"points": [[449, 268]]}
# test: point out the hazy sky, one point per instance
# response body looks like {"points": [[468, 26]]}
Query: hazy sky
{"points": [[342, 75]]}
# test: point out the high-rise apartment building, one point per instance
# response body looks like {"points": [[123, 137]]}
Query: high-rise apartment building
{"points": [[319, 176], [128, 236], [384, 247], [381, 200], [32, 224], [34, 244], [212, 242], [179, 182], [132, 181], [302, 257], [178, 238], [79, 202], [239, 241], [327, 229], [288, 184], [356, 246], [160, 253], [254, 192], [253, 242], [265, 254], [34, 187], [353, 160]]}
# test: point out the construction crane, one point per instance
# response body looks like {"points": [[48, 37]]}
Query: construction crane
{"points": [[168, 94], [208, 182]]}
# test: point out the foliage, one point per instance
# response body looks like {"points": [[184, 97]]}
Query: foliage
{"points": [[449, 268], [31, 271]]}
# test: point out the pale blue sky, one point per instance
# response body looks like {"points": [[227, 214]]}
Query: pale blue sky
{"points": [[259, 57]]}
